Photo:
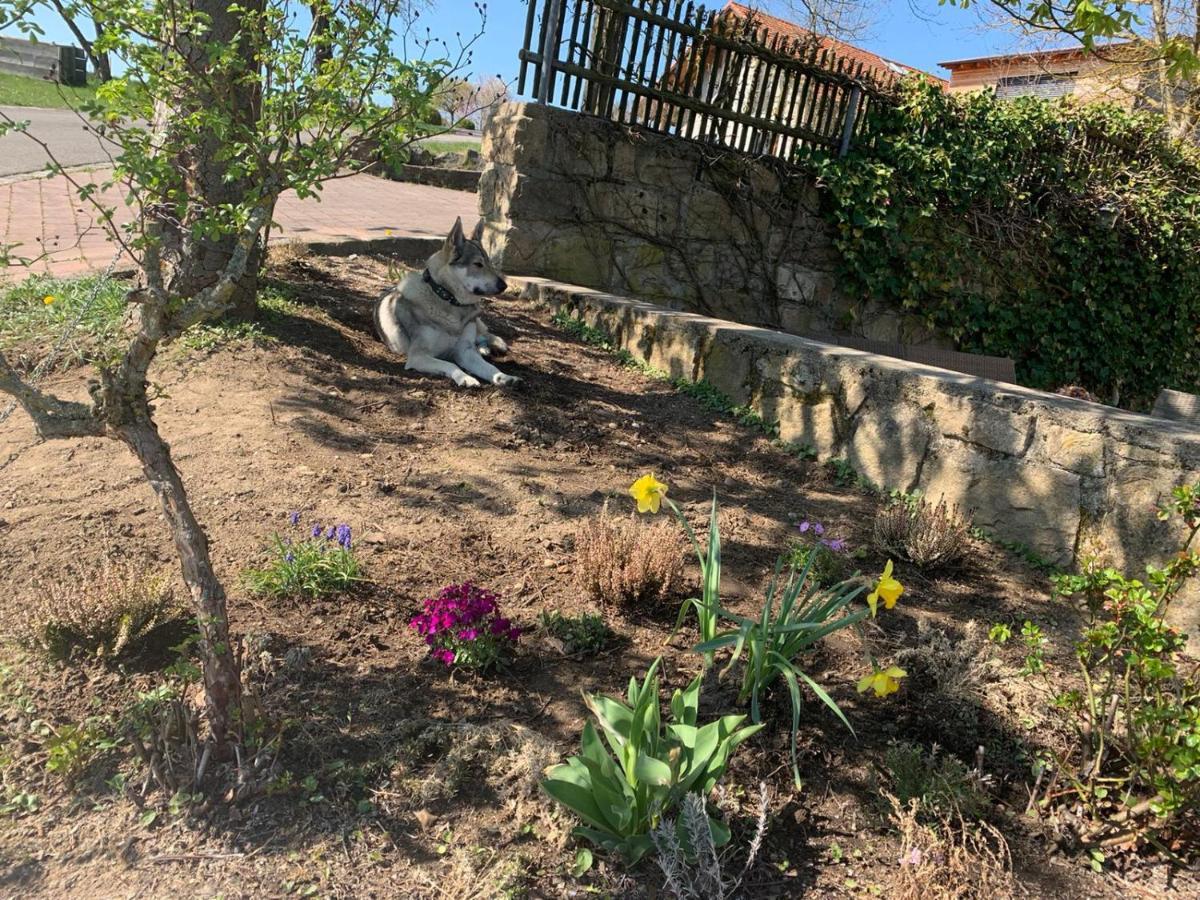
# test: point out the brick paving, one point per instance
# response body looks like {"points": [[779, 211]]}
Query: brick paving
{"points": [[50, 223]]}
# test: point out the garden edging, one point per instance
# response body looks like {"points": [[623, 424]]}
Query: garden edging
{"points": [[1065, 477]]}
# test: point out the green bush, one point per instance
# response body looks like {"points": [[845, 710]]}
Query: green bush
{"points": [[1133, 768], [1060, 236], [622, 791]]}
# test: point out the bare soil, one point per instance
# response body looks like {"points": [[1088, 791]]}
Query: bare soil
{"points": [[444, 485]]}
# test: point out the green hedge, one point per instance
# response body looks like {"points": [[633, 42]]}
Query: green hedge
{"points": [[1065, 237]]}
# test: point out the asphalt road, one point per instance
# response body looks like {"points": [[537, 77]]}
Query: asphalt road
{"points": [[71, 141], [68, 137]]}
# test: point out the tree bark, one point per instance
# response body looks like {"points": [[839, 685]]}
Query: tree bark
{"points": [[222, 682], [196, 263]]}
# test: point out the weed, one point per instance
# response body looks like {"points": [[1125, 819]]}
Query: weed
{"points": [[583, 634], [273, 307]]}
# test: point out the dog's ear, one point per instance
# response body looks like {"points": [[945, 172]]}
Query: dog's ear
{"points": [[455, 239], [477, 234]]}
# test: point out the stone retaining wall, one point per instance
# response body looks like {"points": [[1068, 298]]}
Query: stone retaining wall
{"points": [[587, 201], [1065, 477]]}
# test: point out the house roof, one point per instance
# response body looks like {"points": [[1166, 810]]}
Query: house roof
{"points": [[1027, 56], [878, 65]]}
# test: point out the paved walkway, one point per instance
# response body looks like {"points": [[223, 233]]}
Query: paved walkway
{"points": [[49, 222]]}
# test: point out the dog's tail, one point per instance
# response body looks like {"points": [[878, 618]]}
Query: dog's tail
{"points": [[387, 326]]}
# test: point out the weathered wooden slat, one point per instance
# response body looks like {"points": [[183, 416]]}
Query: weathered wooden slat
{"points": [[689, 103]]}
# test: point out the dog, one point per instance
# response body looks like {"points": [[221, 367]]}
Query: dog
{"points": [[432, 317]]}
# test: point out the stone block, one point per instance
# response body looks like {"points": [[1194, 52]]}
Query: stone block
{"points": [[728, 366], [1076, 451]]}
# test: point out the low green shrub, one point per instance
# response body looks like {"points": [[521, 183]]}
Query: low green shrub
{"points": [[1133, 768], [582, 634], [944, 787], [622, 791]]}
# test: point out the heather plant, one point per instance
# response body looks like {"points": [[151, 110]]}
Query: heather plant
{"points": [[627, 561], [930, 536], [623, 790], [464, 628], [586, 633], [313, 561], [829, 554], [106, 611], [1132, 772]]}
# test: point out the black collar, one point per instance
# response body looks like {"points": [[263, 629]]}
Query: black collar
{"points": [[443, 292]]}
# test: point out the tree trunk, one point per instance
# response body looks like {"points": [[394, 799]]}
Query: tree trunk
{"points": [[196, 263], [222, 682]]}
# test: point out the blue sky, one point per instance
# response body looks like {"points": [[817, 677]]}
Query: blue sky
{"points": [[915, 32]]}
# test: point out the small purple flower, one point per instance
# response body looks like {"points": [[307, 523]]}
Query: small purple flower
{"points": [[912, 858], [837, 545], [294, 518], [289, 557], [317, 530], [343, 536], [816, 527], [331, 533]]}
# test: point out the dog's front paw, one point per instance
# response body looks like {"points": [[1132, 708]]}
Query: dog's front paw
{"points": [[497, 345], [501, 379], [467, 381]]}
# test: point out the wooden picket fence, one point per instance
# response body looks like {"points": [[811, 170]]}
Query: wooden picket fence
{"points": [[672, 67]]}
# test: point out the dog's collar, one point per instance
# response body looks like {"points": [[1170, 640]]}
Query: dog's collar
{"points": [[444, 292]]}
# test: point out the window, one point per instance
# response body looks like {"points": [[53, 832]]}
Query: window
{"points": [[1043, 84]]}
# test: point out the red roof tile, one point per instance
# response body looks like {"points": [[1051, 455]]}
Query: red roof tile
{"points": [[879, 66]]}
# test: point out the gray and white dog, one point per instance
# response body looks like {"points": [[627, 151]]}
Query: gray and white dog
{"points": [[432, 317]]}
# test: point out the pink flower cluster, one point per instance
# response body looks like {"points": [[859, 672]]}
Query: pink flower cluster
{"points": [[463, 625]]}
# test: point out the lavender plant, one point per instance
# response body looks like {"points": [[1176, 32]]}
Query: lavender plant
{"points": [[320, 563], [464, 628]]}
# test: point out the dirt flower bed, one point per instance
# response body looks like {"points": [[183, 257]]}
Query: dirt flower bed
{"points": [[389, 773]]}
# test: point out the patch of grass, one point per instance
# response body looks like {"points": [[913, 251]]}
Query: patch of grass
{"points": [[438, 147], [274, 306], [585, 633], [34, 313], [701, 391], [20, 90]]}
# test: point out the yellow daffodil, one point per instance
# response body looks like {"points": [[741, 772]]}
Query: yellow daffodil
{"points": [[648, 492], [48, 299], [883, 682], [886, 587]]}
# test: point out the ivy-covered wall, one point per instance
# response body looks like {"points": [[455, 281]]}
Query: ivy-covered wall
{"points": [[1066, 238]]}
